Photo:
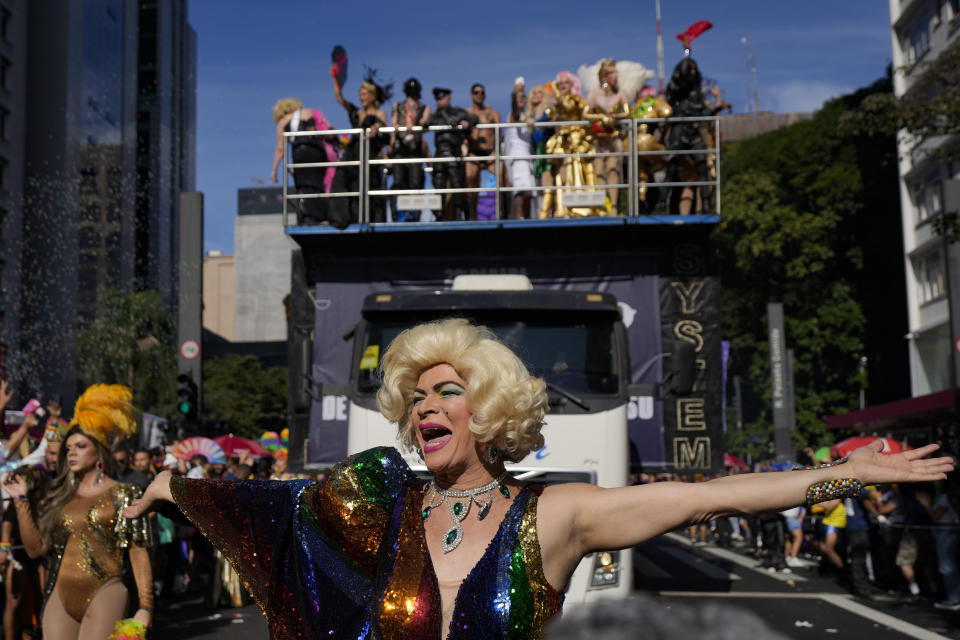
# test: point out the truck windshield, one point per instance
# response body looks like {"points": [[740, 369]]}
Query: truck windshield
{"points": [[581, 358]]}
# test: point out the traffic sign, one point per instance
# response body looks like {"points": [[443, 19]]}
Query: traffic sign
{"points": [[189, 349]]}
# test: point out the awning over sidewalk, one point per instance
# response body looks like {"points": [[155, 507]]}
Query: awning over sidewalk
{"points": [[909, 413]]}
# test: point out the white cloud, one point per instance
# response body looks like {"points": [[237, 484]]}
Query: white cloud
{"points": [[800, 95]]}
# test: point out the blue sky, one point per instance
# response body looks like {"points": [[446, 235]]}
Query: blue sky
{"points": [[251, 53]]}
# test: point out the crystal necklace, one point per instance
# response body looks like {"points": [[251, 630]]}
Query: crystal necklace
{"points": [[459, 508]]}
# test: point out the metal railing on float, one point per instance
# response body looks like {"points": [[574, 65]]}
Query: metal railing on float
{"points": [[633, 185]]}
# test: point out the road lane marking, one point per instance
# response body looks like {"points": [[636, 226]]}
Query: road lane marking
{"points": [[741, 594], [845, 602], [912, 630]]}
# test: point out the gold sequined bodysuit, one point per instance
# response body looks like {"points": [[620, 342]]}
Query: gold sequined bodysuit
{"points": [[88, 546]]}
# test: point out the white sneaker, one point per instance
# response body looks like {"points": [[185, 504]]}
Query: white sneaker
{"points": [[914, 589], [794, 562]]}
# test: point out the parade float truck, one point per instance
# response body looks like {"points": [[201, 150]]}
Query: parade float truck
{"points": [[600, 310]]}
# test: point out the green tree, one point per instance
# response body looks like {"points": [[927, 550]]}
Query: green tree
{"points": [[131, 341], [930, 108], [242, 397], [799, 204]]}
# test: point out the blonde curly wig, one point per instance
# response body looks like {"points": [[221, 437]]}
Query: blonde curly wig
{"points": [[285, 106], [507, 403]]}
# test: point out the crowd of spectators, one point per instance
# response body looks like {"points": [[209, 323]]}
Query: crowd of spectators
{"points": [[602, 97], [893, 542], [896, 541], [184, 564]]}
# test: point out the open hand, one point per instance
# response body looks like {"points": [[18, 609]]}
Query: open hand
{"points": [[873, 467], [5, 393], [15, 484], [159, 489], [143, 616]]}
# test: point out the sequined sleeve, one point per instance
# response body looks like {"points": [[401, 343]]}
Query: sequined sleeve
{"points": [[307, 552], [354, 505], [246, 519], [129, 531]]}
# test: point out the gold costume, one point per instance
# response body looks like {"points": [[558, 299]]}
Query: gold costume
{"points": [[649, 107], [573, 171], [88, 546]]}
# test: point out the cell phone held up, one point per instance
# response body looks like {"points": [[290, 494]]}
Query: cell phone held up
{"points": [[34, 406]]}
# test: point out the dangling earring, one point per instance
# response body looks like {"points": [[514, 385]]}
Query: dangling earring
{"points": [[99, 471], [493, 454]]}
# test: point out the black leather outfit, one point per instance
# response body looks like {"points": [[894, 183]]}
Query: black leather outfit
{"points": [[309, 180], [408, 175], [687, 99], [448, 144], [345, 211]]}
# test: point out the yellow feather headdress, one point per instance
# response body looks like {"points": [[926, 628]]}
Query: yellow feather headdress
{"points": [[105, 413]]}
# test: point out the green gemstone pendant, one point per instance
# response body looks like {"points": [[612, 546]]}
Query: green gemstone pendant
{"points": [[504, 490], [457, 508], [452, 538], [425, 513], [483, 512]]}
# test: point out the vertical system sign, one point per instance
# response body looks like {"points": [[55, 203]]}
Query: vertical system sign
{"points": [[779, 382], [690, 311]]}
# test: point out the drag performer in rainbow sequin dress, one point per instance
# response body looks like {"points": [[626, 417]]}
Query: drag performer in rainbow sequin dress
{"points": [[375, 553]]}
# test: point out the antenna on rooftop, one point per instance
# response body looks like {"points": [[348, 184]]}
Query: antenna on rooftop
{"points": [[753, 98], [660, 71]]}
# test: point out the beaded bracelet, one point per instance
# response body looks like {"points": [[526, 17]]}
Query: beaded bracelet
{"points": [[6, 546], [832, 489], [825, 464]]}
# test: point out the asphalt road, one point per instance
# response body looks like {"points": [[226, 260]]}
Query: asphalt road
{"points": [[798, 605]]}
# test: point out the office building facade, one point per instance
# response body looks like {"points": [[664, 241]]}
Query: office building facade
{"points": [[166, 138], [13, 60], [79, 228], [921, 30]]}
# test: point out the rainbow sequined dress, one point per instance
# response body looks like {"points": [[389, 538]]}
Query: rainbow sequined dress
{"points": [[348, 558]]}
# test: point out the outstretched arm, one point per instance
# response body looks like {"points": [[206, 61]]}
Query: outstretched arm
{"points": [[655, 509], [592, 518], [29, 421], [337, 92]]}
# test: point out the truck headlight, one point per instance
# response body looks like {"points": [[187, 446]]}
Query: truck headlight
{"points": [[606, 570]]}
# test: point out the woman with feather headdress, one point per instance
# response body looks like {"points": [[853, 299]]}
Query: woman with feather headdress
{"points": [[81, 526]]}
